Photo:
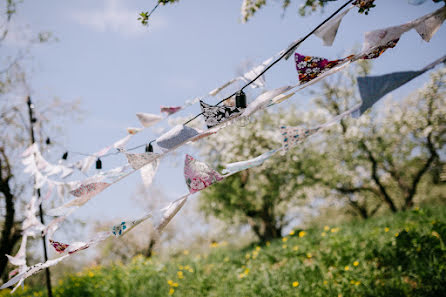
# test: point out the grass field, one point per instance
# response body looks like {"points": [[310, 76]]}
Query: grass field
{"points": [[395, 255]]}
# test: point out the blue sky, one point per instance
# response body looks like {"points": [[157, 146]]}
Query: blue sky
{"points": [[118, 67]]}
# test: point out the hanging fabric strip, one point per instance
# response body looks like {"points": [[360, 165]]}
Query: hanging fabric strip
{"points": [[233, 168], [148, 173], [265, 99], [148, 119], [373, 88]]}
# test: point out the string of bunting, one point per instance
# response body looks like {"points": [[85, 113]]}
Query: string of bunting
{"points": [[199, 175]]}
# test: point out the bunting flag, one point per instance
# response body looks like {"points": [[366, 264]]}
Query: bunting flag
{"points": [[309, 67], [214, 115], [138, 161], [176, 136], [170, 211], [373, 88], [126, 226], [265, 99], [199, 175], [170, 110], [328, 31], [426, 26], [148, 119], [133, 130], [419, 2], [148, 173], [378, 51], [233, 168], [291, 136]]}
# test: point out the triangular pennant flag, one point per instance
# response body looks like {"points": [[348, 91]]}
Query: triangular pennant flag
{"points": [[214, 115], [291, 136], [134, 130], [170, 109], [373, 88], [139, 160], [148, 119], [430, 26], [378, 51], [126, 226], [148, 173], [309, 67], [170, 211], [199, 175], [85, 192], [176, 136], [329, 30]]}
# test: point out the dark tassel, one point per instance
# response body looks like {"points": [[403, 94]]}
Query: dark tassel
{"points": [[98, 164], [240, 99], [65, 156], [48, 141]]}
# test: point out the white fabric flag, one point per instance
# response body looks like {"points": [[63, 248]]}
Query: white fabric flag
{"points": [[329, 30], [148, 173], [148, 119], [264, 99]]}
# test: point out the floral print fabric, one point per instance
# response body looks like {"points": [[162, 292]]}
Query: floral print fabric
{"points": [[380, 50], [199, 175], [214, 115], [58, 246], [170, 109], [309, 67], [292, 136]]}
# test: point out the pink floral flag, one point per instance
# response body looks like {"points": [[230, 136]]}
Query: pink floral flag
{"points": [[199, 175], [170, 109]]}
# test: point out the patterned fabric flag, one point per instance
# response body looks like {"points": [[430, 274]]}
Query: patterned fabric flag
{"points": [[291, 136], [58, 246], [199, 175], [309, 67], [137, 161], [133, 130], [214, 115], [170, 109], [378, 51], [176, 136], [85, 192], [126, 226]]}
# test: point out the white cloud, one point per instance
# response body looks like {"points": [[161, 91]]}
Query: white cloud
{"points": [[116, 18]]}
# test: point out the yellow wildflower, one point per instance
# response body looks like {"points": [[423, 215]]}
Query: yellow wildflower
{"points": [[247, 256], [90, 274], [356, 263], [285, 239], [397, 234], [180, 267], [347, 268], [295, 284], [170, 282], [302, 233], [258, 248], [323, 234], [357, 283], [214, 245], [309, 255], [241, 275], [325, 282], [352, 282], [326, 228], [191, 270], [171, 291], [180, 274], [226, 259], [246, 271], [284, 246], [291, 233], [386, 229], [295, 248]]}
